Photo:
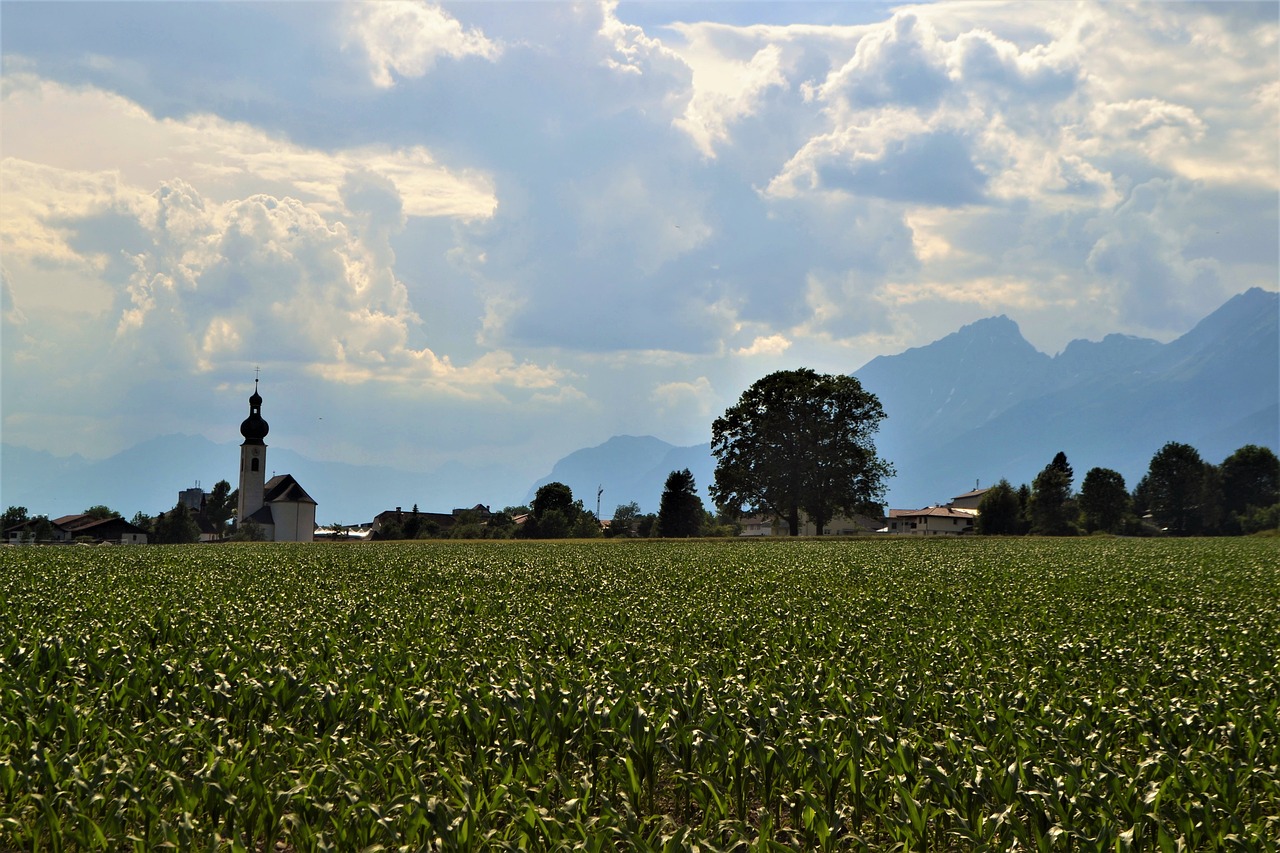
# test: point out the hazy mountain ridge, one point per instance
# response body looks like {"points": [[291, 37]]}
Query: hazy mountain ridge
{"points": [[1113, 404], [977, 405], [982, 403]]}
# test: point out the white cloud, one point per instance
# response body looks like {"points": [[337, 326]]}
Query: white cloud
{"points": [[543, 205], [695, 396], [267, 275], [632, 51], [726, 91], [44, 122], [408, 38], [775, 344], [899, 64]]}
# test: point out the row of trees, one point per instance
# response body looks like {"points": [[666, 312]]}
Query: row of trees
{"points": [[681, 514], [1180, 494], [556, 514], [469, 524]]}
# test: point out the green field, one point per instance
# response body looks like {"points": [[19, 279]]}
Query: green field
{"points": [[924, 695]]}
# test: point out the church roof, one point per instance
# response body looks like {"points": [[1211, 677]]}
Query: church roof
{"points": [[262, 515], [283, 487]]}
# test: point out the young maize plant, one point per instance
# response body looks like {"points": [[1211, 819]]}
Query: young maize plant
{"points": [[841, 695]]}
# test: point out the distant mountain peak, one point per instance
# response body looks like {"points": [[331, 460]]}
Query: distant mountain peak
{"points": [[999, 323], [1000, 331]]}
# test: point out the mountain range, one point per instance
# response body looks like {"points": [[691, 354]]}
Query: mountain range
{"points": [[983, 404], [975, 406]]}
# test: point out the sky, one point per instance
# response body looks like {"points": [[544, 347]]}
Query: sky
{"points": [[492, 233]]}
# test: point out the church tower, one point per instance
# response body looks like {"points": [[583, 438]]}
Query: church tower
{"points": [[253, 458]]}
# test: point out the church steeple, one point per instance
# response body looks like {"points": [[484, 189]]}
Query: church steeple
{"points": [[253, 458], [254, 428]]}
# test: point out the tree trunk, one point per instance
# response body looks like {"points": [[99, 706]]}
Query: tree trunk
{"points": [[794, 521]]}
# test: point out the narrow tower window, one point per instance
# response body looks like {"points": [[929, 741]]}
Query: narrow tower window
{"points": [[253, 465]]}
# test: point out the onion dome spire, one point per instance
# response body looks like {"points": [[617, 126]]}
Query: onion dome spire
{"points": [[254, 428]]}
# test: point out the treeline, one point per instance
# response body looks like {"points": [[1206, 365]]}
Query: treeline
{"points": [[176, 526], [1180, 495], [556, 514], [681, 514]]}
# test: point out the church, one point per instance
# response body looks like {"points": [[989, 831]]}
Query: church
{"points": [[280, 508]]}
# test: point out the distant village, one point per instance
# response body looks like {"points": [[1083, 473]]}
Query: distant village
{"points": [[1182, 495]]}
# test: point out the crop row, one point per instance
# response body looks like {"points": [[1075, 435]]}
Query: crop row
{"points": [[1048, 695]]}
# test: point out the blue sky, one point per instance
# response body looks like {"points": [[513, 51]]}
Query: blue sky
{"points": [[493, 233]]}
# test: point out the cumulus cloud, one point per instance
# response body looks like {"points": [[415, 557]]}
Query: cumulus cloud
{"points": [[694, 396], [725, 91], [632, 50], [765, 345], [406, 38], [898, 64], [226, 160], [586, 206], [195, 276], [268, 275]]}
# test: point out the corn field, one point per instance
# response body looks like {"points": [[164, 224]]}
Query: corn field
{"points": [[841, 695]]}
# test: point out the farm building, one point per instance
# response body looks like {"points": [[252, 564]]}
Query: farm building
{"points": [[931, 521], [69, 528]]}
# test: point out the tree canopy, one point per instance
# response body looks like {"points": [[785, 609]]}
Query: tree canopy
{"points": [[1104, 501], [680, 513], [798, 441], [1000, 511], [1250, 478], [13, 516], [552, 496], [556, 515], [626, 518], [221, 504], [1174, 486], [177, 526], [1050, 496]]}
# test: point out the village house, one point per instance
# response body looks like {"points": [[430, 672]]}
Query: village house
{"points": [[765, 525], [954, 519], [81, 527], [931, 521], [422, 521]]}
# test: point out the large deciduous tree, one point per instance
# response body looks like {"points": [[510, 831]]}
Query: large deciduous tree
{"points": [[1250, 478], [798, 441], [625, 518], [1174, 486], [552, 496], [556, 515], [1104, 500]]}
